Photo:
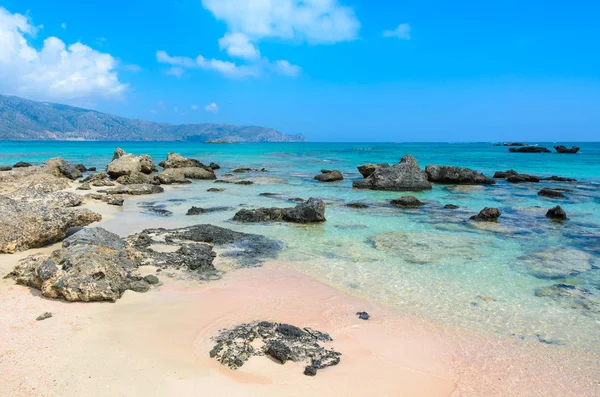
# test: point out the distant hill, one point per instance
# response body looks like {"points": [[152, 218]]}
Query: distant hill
{"points": [[22, 119]]}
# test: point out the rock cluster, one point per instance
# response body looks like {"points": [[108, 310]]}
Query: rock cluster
{"points": [[311, 211], [404, 176], [281, 342], [456, 175]]}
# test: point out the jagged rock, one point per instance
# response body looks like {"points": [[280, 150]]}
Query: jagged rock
{"points": [[529, 149], [363, 315], [487, 215], [557, 214], [456, 175], [175, 160], [81, 167], [558, 179], [282, 342], [572, 296], [200, 211], [137, 178], [520, 178], [564, 149], [127, 164], [28, 225], [43, 316], [215, 190], [57, 199], [172, 176], [110, 199], [404, 176], [407, 202], [311, 211], [356, 205], [367, 169], [118, 153], [84, 186], [451, 206], [505, 174], [329, 176], [58, 166], [5, 168], [22, 164], [135, 190], [92, 265], [545, 192]]}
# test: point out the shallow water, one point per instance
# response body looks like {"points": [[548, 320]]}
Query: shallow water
{"points": [[431, 262]]}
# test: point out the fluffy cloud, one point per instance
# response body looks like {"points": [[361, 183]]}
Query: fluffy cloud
{"points": [[228, 69], [317, 21], [57, 71], [194, 107], [239, 45], [287, 69], [212, 108], [401, 32]]}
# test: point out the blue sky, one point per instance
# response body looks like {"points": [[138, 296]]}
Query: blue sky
{"points": [[347, 70]]}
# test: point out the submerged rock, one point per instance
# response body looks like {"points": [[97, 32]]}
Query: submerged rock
{"points": [[311, 211], [557, 214], [282, 342], [407, 202], [513, 144], [487, 215], [529, 149], [571, 296], [404, 176], [558, 179], [135, 190], [215, 190], [60, 167], [200, 211], [127, 164], [520, 178], [32, 224], [451, 207], [357, 205], [329, 176], [456, 175], [558, 262], [545, 192], [564, 149]]}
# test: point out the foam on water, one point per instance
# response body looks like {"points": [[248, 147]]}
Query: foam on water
{"points": [[431, 261]]}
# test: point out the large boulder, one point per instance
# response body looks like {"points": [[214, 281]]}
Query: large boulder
{"points": [[367, 169], [194, 173], [57, 199], [137, 178], [529, 149], [175, 160], [311, 211], [127, 164], [171, 176], [487, 215], [34, 224], [58, 166], [564, 149], [329, 176], [404, 176], [32, 178], [446, 174]]}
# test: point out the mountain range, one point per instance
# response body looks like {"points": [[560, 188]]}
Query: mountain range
{"points": [[23, 119]]}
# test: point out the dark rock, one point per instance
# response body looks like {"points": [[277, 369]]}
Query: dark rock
{"points": [[513, 144], [329, 176], [451, 207], [557, 214], [404, 176], [222, 181], [529, 149], [5, 168], [92, 169], [244, 183], [215, 190], [151, 279], [214, 166], [60, 167], [81, 167], [268, 194], [21, 164], [297, 199], [407, 202], [235, 346], [487, 215], [241, 170], [545, 192], [564, 149], [558, 179], [356, 205], [311, 211], [368, 169], [140, 286], [363, 315], [44, 316], [505, 174], [155, 210], [456, 175], [520, 178], [200, 211]]}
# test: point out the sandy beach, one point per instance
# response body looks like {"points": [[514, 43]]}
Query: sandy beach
{"points": [[157, 344]]}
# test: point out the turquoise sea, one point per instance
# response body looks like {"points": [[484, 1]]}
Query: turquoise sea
{"points": [[430, 262]]}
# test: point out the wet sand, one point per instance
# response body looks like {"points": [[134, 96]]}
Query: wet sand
{"points": [[157, 343]]}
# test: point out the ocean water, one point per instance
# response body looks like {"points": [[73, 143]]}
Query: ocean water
{"points": [[430, 262]]}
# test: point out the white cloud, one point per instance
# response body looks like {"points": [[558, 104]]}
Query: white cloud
{"points": [[316, 21], [153, 111], [239, 45], [56, 71], [176, 71], [287, 69], [212, 108], [194, 107], [401, 32], [228, 69], [131, 68], [63, 25]]}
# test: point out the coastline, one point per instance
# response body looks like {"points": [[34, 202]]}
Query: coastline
{"points": [[162, 339]]}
